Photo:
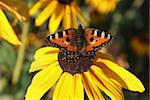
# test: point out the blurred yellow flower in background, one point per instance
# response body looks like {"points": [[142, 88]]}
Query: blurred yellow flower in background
{"points": [[143, 46], [65, 11], [20, 11], [6, 31], [103, 6], [103, 75]]}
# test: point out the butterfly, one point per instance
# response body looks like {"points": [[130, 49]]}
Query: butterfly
{"points": [[85, 42]]}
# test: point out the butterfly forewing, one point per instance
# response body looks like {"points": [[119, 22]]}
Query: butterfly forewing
{"points": [[96, 38], [90, 39], [63, 39]]}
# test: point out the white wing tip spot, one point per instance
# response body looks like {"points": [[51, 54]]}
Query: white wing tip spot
{"points": [[50, 37], [108, 36], [64, 33], [95, 32], [103, 34], [56, 35]]}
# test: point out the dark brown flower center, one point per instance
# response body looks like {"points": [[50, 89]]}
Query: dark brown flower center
{"points": [[65, 1], [74, 63]]}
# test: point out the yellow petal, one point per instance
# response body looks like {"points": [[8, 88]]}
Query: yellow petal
{"points": [[67, 17], [63, 87], [76, 10], [78, 88], [35, 8], [104, 8], [107, 6], [43, 61], [17, 8], [43, 16], [6, 31], [101, 77], [34, 68], [132, 82], [56, 18], [74, 19], [111, 75], [45, 50], [91, 89], [103, 88], [42, 82], [104, 56]]}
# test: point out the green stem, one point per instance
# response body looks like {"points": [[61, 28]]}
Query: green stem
{"points": [[21, 54]]}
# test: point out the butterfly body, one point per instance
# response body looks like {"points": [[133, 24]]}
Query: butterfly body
{"points": [[80, 38], [79, 42]]}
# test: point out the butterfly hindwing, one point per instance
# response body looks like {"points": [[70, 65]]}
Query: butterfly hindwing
{"points": [[63, 39]]}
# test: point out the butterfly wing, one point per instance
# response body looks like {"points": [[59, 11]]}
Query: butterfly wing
{"points": [[95, 39], [63, 39]]}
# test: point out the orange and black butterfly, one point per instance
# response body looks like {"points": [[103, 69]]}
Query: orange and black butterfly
{"points": [[82, 41]]}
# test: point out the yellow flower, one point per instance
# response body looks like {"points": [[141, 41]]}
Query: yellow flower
{"points": [[143, 46], [103, 6], [66, 11], [6, 31], [20, 11], [95, 76]]}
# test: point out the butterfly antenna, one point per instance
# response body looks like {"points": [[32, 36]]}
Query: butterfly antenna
{"points": [[80, 27]]}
